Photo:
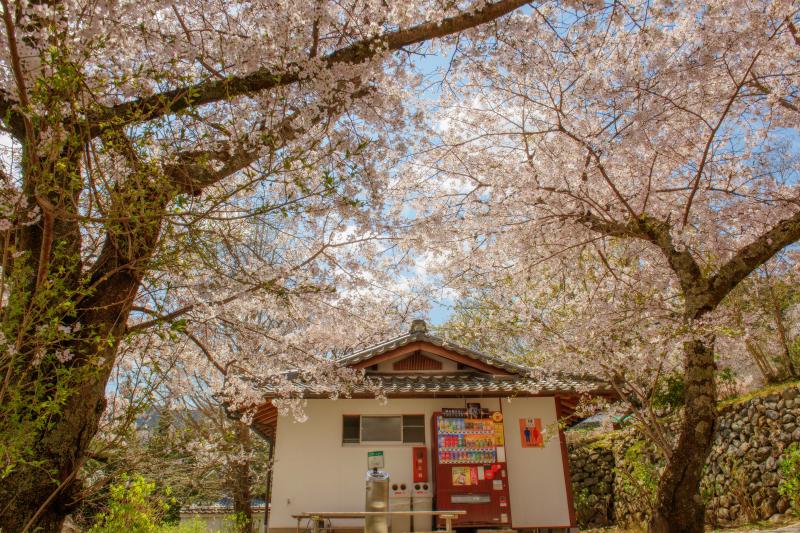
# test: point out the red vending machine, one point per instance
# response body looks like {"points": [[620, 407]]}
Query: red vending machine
{"points": [[470, 466]]}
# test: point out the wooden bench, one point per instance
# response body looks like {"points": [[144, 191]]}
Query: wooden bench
{"points": [[448, 516]]}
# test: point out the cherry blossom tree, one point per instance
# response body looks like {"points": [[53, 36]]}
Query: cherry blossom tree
{"points": [[147, 133], [609, 182]]}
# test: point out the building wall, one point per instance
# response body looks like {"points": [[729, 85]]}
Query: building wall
{"points": [[314, 471], [538, 490]]}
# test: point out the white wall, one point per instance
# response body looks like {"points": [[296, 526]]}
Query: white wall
{"points": [[314, 471], [538, 491]]}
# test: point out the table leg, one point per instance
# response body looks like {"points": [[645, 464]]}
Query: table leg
{"points": [[448, 523]]}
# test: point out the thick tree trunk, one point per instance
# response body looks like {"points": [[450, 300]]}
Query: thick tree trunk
{"points": [[38, 495], [679, 506]]}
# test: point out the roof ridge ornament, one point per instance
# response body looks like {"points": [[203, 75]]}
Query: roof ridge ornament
{"points": [[418, 326]]}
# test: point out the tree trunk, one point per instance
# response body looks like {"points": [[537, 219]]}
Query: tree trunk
{"points": [[762, 361], [679, 506], [240, 482], [38, 495], [777, 315]]}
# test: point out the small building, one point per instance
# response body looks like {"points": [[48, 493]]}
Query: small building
{"points": [[466, 429]]}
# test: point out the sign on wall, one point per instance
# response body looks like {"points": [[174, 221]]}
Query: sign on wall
{"points": [[530, 433], [375, 460]]}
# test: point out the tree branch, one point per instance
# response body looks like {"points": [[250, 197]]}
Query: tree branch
{"points": [[750, 257], [206, 92], [19, 78], [192, 173], [657, 232], [13, 121]]}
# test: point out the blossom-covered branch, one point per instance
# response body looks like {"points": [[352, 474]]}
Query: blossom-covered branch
{"points": [[176, 100]]}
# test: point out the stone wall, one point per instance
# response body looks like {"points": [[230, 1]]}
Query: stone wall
{"points": [[742, 479], [614, 477], [592, 473]]}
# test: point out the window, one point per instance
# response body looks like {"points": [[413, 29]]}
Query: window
{"points": [[405, 429], [351, 429], [414, 429], [381, 429]]}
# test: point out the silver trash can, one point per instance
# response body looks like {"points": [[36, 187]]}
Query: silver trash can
{"points": [[422, 500], [400, 500], [377, 501]]}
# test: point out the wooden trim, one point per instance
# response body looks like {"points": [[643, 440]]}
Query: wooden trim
{"points": [[565, 464], [417, 361], [436, 350]]}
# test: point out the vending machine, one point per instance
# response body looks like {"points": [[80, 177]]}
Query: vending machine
{"points": [[470, 466]]}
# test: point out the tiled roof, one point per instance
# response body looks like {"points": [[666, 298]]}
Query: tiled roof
{"points": [[420, 334], [518, 380], [462, 383]]}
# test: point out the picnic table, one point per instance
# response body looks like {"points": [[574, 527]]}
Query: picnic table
{"points": [[448, 516]]}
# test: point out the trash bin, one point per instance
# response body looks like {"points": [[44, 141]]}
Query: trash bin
{"points": [[422, 500], [400, 500], [377, 500]]}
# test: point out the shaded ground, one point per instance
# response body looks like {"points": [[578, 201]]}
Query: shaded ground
{"points": [[794, 528], [755, 528]]}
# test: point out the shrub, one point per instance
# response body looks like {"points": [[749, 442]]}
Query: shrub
{"points": [[133, 507], [192, 526], [637, 480], [789, 467]]}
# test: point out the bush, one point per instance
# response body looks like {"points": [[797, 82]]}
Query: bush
{"points": [[133, 507], [637, 480], [789, 467], [193, 526]]}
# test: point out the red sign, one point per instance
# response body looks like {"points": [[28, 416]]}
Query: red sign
{"points": [[420, 457]]}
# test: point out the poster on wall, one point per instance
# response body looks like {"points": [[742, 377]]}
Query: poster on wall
{"points": [[530, 432]]}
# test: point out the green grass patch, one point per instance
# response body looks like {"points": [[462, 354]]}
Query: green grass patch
{"points": [[764, 391]]}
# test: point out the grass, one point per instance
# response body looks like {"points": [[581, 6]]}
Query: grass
{"points": [[764, 391]]}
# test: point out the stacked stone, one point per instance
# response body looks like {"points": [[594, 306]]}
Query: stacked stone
{"points": [[742, 472], [592, 474]]}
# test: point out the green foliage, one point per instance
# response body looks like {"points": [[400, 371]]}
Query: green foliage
{"points": [[192, 526], [236, 523], [586, 504], [637, 478], [726, 383], [789, 467], [134, 506], [669, 392]]}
